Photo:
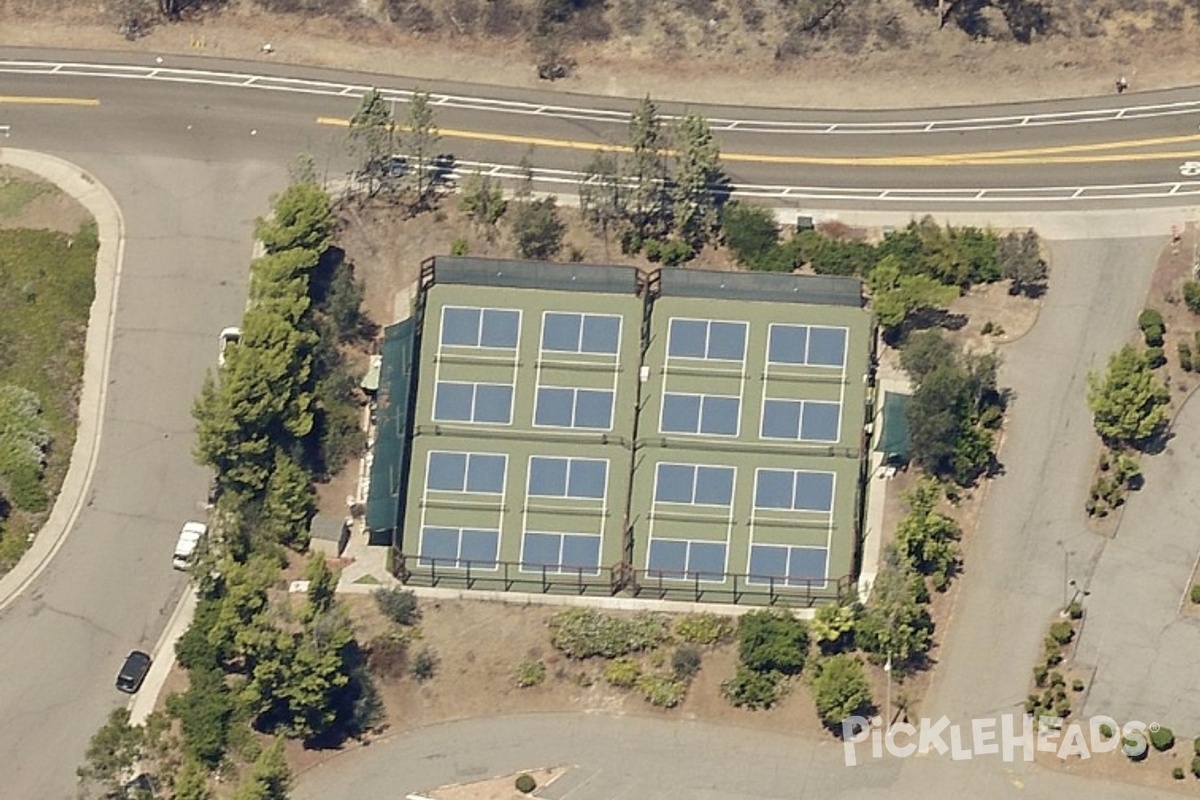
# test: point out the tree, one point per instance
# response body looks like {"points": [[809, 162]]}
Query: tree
{"points": [[896, 623], [896, 296], [301, 217], [925, 538], [839, 688], [370, 141], [698, 173], [538, 230], [289, 504], [939, 412], [269, 778], [419, 140], [925, 351], [1129, 403], [647, 171], [192, 782], [483, 201], [110, 756], [322, 584], [1191, 296], [772, 641], [205, 714], [303, 169], [751, 233], [1020, 259], [603, 196]]}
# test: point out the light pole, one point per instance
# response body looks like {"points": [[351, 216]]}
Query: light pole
{"points": [[1066, 574], [887, 724]]}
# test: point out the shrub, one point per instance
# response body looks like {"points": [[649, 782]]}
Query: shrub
{"points": [[585, 632], [1106, 731], [840, 688], [1149, 318], [459, 247], [1177, 773], [1040, 672], [424, 664], [1191, 296], [772, 641], [398, 605], [1078, 685], [530, 673], [652, 248], [676, 252], [750, 689], [1196, 766], [703, 628], [538, 229], [1162, 739], [1196, 745], [622, 673], [661, 690], [1075, 610], [1155, 356], [1195, 594], [686, 661], [1134, 749], [1062, 632], [1185, 356], [525, 783]]}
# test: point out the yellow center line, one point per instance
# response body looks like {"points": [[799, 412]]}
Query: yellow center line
{"points": [[1061, 154], [47, 101]]}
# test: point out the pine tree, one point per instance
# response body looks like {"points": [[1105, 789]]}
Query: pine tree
{"points": [[371, 141], [698, 175]]}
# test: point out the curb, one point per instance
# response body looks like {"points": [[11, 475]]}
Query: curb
{"points": [[98, 344]]}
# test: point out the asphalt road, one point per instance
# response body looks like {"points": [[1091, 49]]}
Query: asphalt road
{"points": [[191, 166]]}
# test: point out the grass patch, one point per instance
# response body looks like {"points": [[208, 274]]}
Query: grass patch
{"points": [[16, 195], [369, 580], [47, 282]]}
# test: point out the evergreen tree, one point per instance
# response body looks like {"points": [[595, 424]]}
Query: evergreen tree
{"points": [[697, 176], [371, 141]]}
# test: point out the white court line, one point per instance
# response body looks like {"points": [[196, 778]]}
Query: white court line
{"points": [[777, 126]]}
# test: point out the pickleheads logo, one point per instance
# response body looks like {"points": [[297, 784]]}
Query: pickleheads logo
{"points": [[1005, 736]]}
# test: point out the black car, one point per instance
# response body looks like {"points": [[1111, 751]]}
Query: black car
{"points": [[133, 672]]}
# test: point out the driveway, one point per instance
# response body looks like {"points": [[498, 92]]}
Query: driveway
{"points": [[1139, 633]]}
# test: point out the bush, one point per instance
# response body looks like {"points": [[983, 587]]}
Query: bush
{"points": [[1196, 766], [1040, 672], [1195, 593], [1155, 356], [525, 783], [1177, 773], [398, 605], [530, 673], [840, 689], [1106, 731], [1191, 296], [1185, 356], [661, 690], [538, 229], [1062, 632], [1149, 318], [755, 690], [425, 664], [586, 632], [622, 673], [1162, 739], [703, 628], [1075, 610], [750, 233], [1078, 685], [676, 252], [652, 248], [459, 247], [772, 641], [686, 661]]}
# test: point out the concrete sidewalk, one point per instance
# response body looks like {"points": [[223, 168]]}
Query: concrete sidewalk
{"points": [[94, 197]]}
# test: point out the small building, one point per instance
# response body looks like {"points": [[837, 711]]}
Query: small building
{"points": [[678, 434], [329, 535]]}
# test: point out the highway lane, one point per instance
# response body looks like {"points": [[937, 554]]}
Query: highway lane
{"points": [[1146, 149]]}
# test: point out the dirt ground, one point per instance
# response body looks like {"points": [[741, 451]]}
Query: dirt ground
{"points": [[501, 788], [713, 53], [51, 210]]}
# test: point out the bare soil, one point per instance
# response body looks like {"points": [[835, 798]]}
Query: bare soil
{"points": [[50, 209], [501, 788], [889, 53]]}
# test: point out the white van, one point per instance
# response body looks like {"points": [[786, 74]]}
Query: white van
{"points": [[189, 540]]}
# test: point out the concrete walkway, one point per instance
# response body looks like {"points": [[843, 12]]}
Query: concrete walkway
{"points": [[94, 197]]}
